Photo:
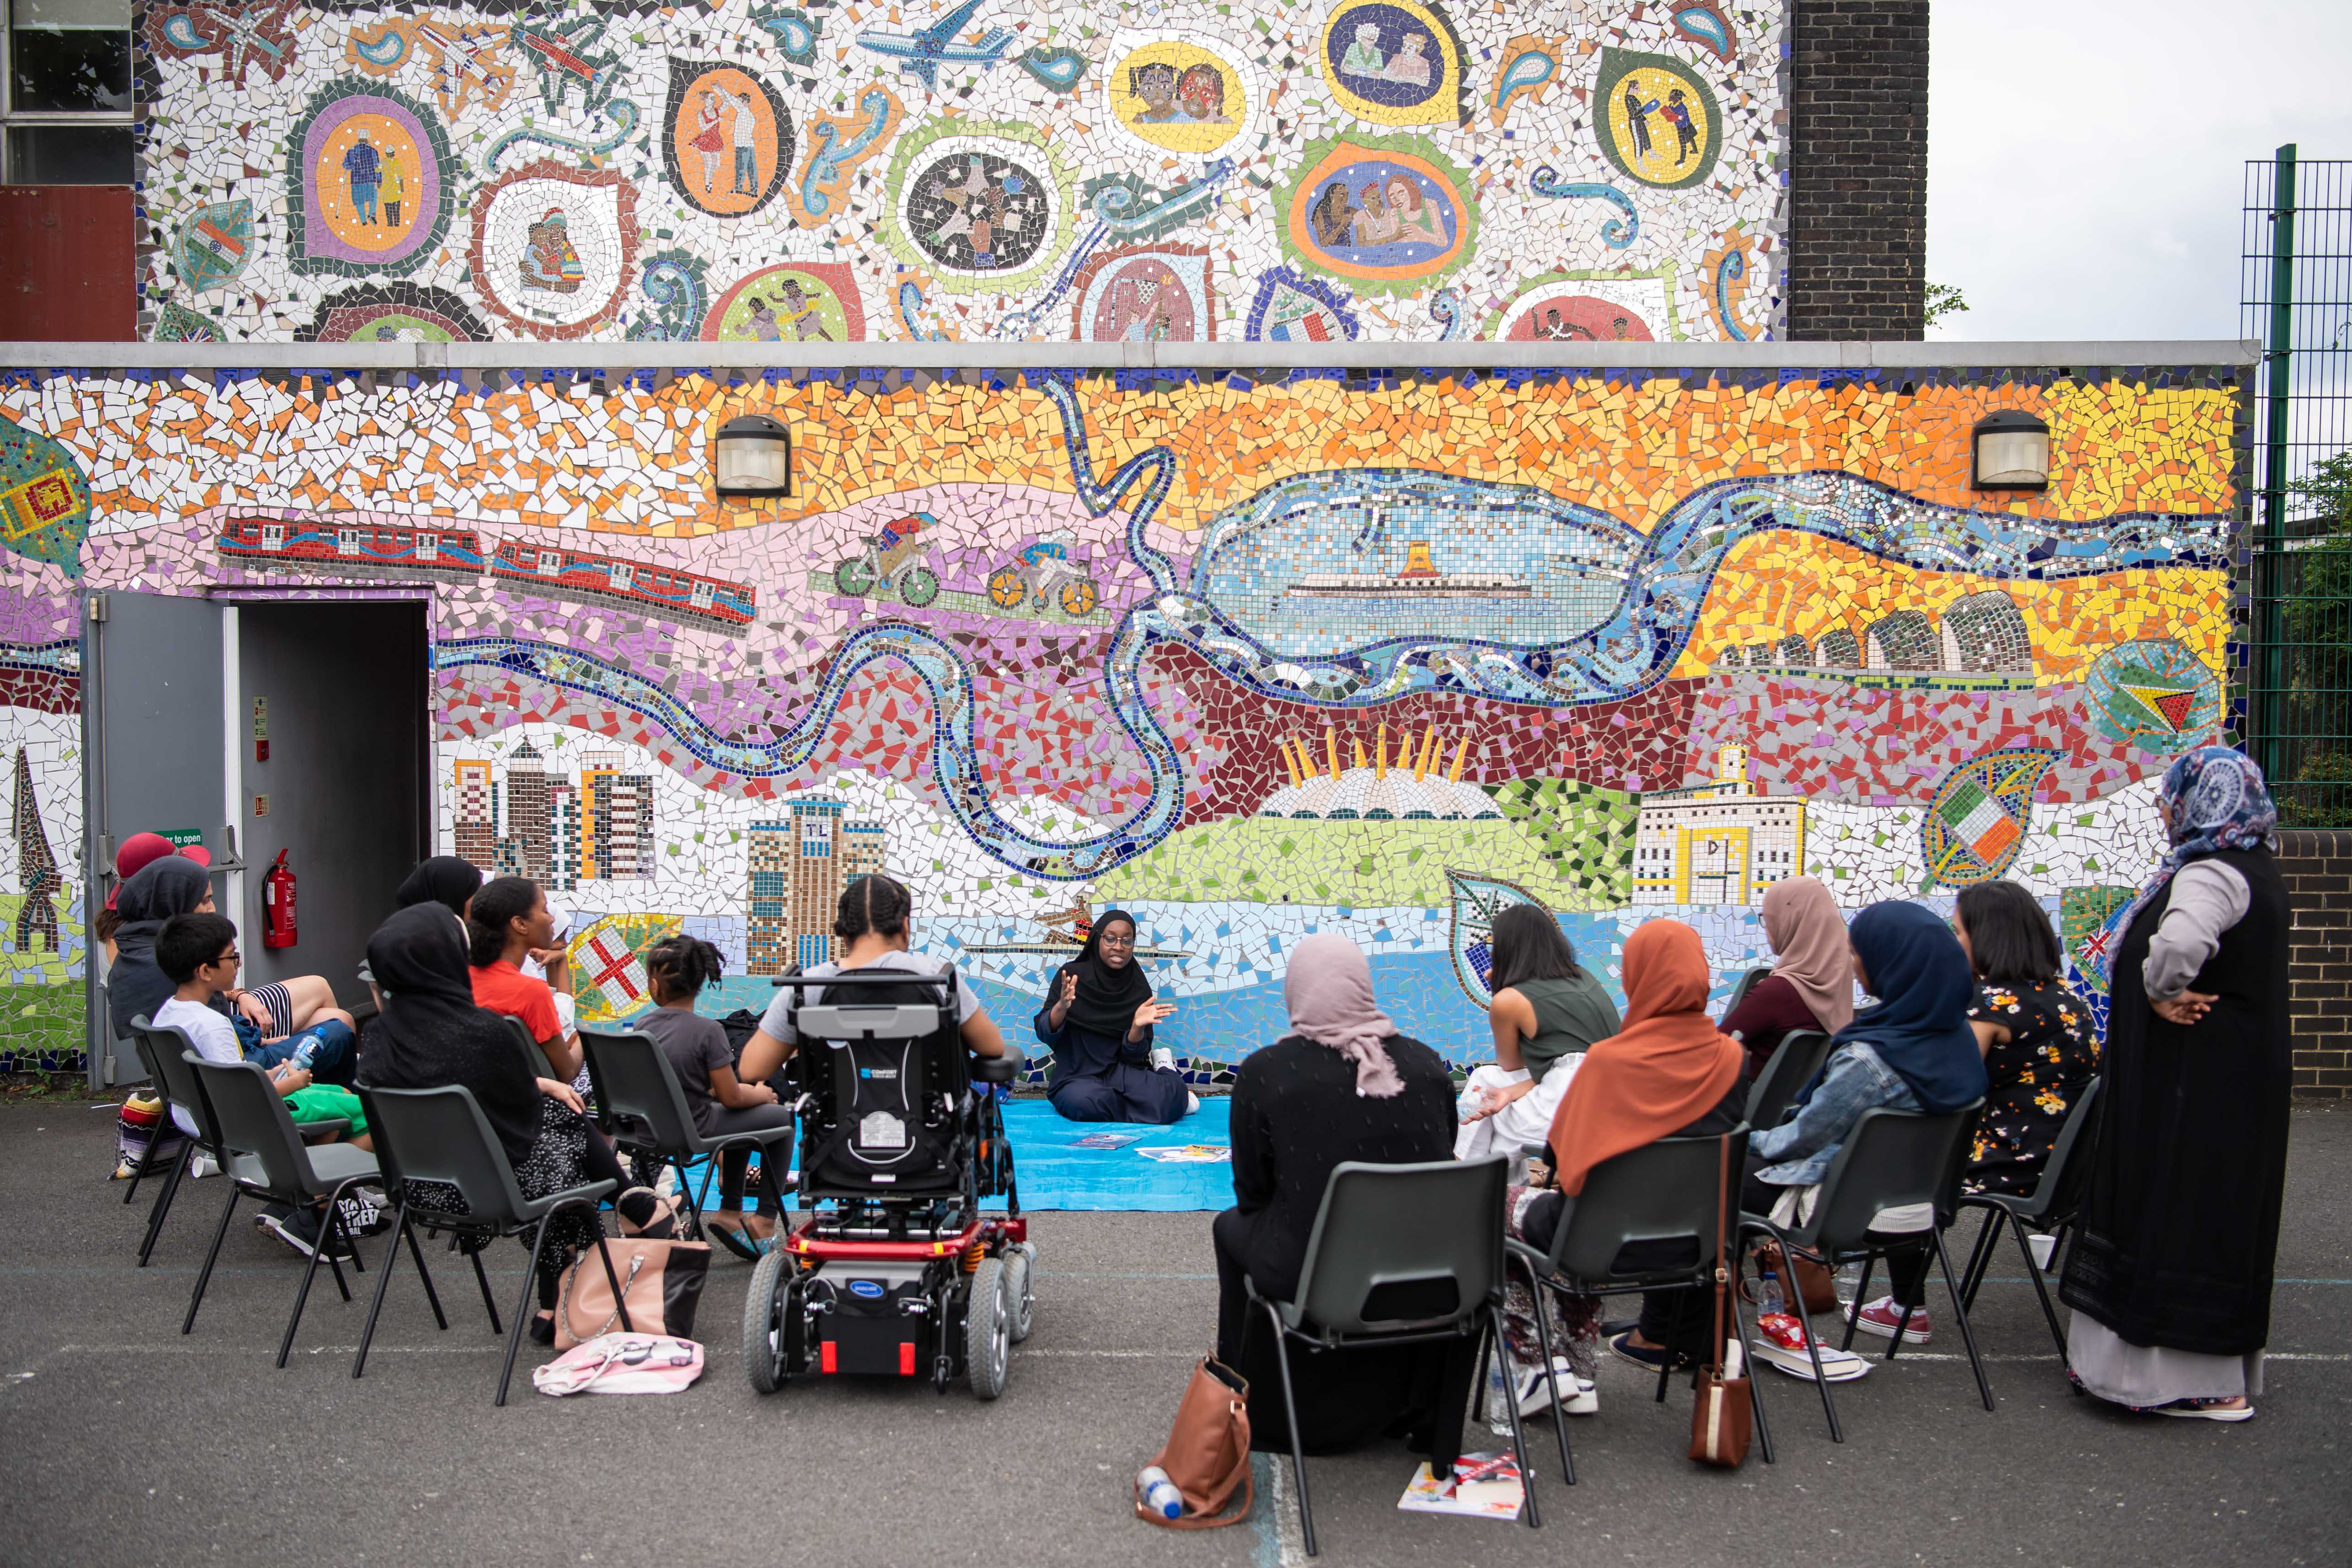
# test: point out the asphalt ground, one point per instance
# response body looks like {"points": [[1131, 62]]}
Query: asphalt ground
{"points": [[127, 1443]]}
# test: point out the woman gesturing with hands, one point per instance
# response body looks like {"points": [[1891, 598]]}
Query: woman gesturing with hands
{"points": [[1099, 1019]]}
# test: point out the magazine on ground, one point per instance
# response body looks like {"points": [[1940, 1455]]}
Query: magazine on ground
{"points": [[1483, 1486]]}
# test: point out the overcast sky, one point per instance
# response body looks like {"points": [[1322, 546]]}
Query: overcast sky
{"points": [[2086, 158]]}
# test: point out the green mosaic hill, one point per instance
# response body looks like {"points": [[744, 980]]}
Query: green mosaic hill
{"points": [[1568, 842]]}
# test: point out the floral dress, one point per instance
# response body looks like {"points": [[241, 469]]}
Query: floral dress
{"points": [[2050, 1054]]}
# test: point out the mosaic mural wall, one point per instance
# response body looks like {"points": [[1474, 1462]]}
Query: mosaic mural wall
{"points": [[1253, 656], [1294, 171]]}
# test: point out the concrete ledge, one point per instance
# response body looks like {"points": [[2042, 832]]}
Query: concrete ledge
{"points": [[2222, 353]]}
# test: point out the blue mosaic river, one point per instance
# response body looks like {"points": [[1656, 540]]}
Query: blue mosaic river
{"points": [[1607, 654]]}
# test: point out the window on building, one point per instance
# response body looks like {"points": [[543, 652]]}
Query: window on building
{"points": [[65, 93]]}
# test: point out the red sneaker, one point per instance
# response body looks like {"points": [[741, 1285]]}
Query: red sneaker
{"points": [[1881, 1317]]}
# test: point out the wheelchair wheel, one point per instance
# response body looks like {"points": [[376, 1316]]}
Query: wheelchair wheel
{"points": [[1020, 1301], [987, 1329], [769, 1307]]}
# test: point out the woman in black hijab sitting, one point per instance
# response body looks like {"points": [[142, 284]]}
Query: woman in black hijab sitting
{"points": [[430, 1035], [1098, 1020], [445, 880]]}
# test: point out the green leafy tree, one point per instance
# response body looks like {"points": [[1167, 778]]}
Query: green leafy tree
{"points": [[2315, 585], [1943, 300]]}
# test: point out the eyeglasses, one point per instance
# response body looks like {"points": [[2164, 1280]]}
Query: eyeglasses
{"points": [[231, 956], [1111, 941]]}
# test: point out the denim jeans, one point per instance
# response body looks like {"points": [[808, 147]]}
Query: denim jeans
{"points": [[332, 1062]]}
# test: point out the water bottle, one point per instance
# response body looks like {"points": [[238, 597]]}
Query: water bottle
{"points": [[1768, 1293], [1160, 1493], [307, 1054]]}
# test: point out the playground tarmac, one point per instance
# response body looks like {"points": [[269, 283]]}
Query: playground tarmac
{"points": [[129, 1444]]}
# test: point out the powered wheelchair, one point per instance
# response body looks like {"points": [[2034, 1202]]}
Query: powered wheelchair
{"points": [[895, 1272]]}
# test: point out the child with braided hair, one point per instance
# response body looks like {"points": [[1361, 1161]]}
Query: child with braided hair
{"points": [[723, 1103]]}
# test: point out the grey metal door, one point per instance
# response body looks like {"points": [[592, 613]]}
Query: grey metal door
{"points": [[154, 755]]}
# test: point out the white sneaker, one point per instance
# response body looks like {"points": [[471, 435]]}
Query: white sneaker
{"points": [[1192, 1102], [1535, 1391], [1164, 1060]]}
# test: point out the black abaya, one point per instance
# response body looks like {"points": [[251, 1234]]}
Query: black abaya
{"points": [[2178, 1234]]}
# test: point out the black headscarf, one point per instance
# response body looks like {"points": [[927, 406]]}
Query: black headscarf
{"points": [[431, 1034], [1919, 1026], [1106, 997], [444, 880], [135, 987]]}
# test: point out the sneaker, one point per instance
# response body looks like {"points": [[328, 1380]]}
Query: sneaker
{"points": [[1780, 1342], [1535, 1391], [1192, 1102], [1882, 1316], [1164, 1060], [2202, 1410], [300, 1232]]}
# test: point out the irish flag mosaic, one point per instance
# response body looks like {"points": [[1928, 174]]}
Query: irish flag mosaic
{"points": [[1976, 824]]}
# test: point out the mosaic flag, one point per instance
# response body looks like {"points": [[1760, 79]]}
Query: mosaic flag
{"points": [[44, 500], [2083, 916], [1477, 900], [216, 245], [1976, 824], [608, 969]]}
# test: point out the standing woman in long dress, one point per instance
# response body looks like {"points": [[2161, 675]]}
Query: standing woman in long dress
{"points": [[2169, 1273]]}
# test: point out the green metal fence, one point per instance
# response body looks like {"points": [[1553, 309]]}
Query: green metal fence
{"points": [[2297, 301]]}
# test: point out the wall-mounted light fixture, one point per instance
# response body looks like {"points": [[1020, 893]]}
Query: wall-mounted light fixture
{"points": [[2010, 451], [753, 457]]}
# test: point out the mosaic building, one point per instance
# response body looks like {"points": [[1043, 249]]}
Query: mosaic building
{"points": [[1307, 170], [1270, 715]]}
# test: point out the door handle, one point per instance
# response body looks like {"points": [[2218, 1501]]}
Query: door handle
{"points": [[231, 860]]}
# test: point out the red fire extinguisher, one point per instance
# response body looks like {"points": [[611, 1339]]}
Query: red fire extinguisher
{"points": [[277, 928]]}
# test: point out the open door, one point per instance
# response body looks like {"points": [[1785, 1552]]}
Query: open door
{"points": [[153, 750]]}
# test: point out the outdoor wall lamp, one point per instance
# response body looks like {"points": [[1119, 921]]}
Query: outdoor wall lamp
{"points": [[2010, 451], [754, 457]]}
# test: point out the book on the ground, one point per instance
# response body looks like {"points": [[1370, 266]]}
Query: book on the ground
{"points": [[1483, 1486], [1105, 1140], [1188, 1154]]}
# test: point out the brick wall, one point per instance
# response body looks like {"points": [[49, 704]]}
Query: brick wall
{"points": [[2317, 866], [1858, 169]]}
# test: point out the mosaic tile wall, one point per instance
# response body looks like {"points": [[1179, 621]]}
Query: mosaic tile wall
{"points": [[1253, 656], [991, 170]]}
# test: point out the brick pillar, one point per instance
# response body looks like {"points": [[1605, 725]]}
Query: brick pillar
{"points": [[1858, 169], [2317, 866]]}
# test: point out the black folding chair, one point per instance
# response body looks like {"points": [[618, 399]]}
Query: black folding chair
{"points": [[2050, 1208], [166, 1052], [267, 1159], [1794, 1061], [166, 1128], [1671, 1190], [441, 1135], [642, 1107], [1389, 1243], [1890, 1159], [532, 1056], [1746, 984]]}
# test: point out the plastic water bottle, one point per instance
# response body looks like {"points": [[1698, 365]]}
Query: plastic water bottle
{"points": [[1768, 1302], [1160, 1493], [308, 1052]]}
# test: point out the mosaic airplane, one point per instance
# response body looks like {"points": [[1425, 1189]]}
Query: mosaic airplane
{"points": [[920, 55]]}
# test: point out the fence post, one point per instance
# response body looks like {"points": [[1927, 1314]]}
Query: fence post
{"points": [[2270, 556]]}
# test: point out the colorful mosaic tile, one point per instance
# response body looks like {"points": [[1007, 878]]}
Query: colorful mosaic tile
{"points": [[1255, 655], [1421, 162]]}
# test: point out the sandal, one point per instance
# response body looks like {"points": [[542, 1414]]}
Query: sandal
{"points": [[2203, 1409]]}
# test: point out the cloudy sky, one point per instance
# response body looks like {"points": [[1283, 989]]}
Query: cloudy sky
{"points": [[2086, 158]]}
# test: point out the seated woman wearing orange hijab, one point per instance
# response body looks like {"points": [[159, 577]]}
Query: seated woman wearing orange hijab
{"points": [[1668, 1073]]}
